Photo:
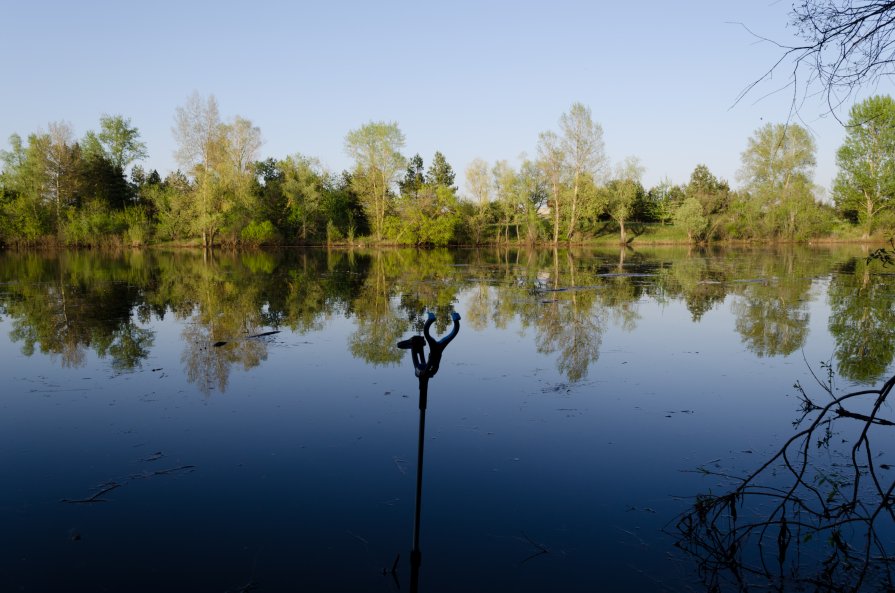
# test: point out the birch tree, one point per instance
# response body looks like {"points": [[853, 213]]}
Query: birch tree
{"points": [[551, 160], [62, 155]]}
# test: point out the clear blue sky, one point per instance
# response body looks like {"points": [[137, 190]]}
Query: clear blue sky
{"points": [[471, 79]]}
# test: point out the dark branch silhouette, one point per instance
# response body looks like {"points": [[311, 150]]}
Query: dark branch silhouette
{"points": [[812, 515], [845, 45]]}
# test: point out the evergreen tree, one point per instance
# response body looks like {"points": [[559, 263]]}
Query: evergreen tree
{"points": [[413, 177], [440, 172]]}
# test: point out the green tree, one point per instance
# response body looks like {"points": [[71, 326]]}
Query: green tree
{"points": [[120, 141], [269, 190], [303, 186], [622, 193], [866, 180], [62, 162], [778, 165], [533, 187], [235, 175], [376, 150], [776, 155], [582, 146], [410, 203], [441, 215], [414, 176], [713, 196], [440, 172], [102, 181], [429, 212], [23, 188], [220, 157], [171, 202], [663, 200], [198, 131], [506, 186], [344, 211], [690, 218], [478, 185]]}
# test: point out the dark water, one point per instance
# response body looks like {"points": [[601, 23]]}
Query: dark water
{"points": [[152, 440]]}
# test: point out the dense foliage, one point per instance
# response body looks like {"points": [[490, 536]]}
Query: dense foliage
{"points": [[56, 189]]}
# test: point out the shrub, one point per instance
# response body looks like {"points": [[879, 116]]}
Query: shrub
{"points": [[258, 233]]}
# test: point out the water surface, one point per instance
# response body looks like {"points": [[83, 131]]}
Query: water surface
{"points": [[157, 435]]}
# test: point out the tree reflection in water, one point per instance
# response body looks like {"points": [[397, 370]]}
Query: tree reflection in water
{"points": [[568, 299], [568, 320], [68, 304], [379, 320], [862, 320], [226, 313], [818, 515], [699, 280]]}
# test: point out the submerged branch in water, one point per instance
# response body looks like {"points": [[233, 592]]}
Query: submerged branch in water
{"points": [[112, 485], [96, 497], [812, 519], [261, 335]]}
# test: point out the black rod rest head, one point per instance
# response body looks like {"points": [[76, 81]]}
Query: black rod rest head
{"points": [[416, 345]]}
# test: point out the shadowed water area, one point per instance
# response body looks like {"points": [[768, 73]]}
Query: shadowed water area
{"points": [[246, 422]]}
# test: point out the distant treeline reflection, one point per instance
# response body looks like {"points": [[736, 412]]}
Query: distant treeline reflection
{"points": [[69, 303]]}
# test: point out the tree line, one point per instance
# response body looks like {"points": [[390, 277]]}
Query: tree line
{"points": [[56, 189]]}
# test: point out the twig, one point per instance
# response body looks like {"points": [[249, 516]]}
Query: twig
{"points": [[96, 497], [542, 549], [261, 335], [109, 486]]}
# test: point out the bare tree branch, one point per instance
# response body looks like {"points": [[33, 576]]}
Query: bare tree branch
{"points": [[847, 45]]}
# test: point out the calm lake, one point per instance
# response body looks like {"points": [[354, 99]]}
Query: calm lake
{"points": [[245, 422]]}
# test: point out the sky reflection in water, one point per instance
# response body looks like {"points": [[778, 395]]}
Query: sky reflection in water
{"points": [[581, 385]]}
